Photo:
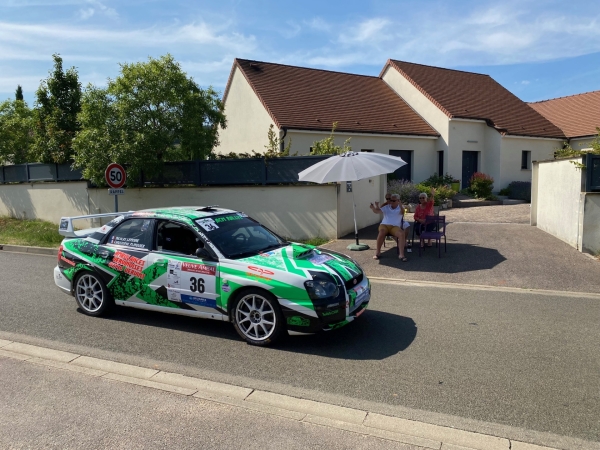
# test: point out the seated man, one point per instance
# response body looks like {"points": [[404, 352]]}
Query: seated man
{"points": [[393, 215]]}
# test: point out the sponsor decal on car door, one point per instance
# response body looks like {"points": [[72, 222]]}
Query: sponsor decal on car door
{"points": [[192, 283]]}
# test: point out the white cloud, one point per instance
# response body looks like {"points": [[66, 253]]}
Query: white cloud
{"points": [[86, 13], [371, 30]]}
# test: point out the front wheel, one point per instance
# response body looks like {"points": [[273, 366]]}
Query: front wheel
{"points": [[92, 295], [257, 317]]}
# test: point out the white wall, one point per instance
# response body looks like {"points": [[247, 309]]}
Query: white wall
{"points": [[247, 119], [420, 103], [365, 191], [510, 170], [298, 212], [424, 149], [557, 201]]}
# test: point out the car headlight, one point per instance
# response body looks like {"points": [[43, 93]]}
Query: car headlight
{"points": [[321, 286]]}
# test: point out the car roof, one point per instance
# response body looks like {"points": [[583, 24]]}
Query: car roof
{"points": [[187, 212]]}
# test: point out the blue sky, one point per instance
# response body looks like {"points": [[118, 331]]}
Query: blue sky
{"points": [[537, 49]]}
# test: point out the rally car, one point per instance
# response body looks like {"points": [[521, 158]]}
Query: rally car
{"points": [[212, 263]]}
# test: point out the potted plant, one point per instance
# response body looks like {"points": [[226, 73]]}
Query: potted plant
{"points": [[455, 185]]}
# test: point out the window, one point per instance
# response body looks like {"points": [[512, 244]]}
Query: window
{"points": [[367, 150], [526, 160], [404, 172], [134, 233], [175, 238], [440, 164], [310, 150]]}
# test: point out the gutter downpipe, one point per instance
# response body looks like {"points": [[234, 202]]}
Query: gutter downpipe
{"points": [[282, 139]]}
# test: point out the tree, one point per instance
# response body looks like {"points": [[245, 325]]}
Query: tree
{"points": [[58, 101], [16, 138], [327, 146], [150, 114], [19, 93]]}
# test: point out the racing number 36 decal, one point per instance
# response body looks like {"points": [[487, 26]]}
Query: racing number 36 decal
{"points": [[192, 283], [197, 285]]}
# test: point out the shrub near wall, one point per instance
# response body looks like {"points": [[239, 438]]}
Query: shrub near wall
{"points": [[481, 185], [520, 190]]}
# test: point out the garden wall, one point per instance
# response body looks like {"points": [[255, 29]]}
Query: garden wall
{"points": [[294, 211]]}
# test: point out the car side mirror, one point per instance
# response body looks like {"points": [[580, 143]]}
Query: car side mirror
{"points": [[202, 253]]}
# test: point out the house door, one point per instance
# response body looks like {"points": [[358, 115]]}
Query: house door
{"points": [[469, 167], [404, 172]]}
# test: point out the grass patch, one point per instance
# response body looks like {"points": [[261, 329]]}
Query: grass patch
{"points": [[36, 233]]}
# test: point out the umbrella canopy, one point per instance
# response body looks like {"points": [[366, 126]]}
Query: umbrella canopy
{"points": [[351, 166]]}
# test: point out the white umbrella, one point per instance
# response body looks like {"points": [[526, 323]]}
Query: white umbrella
{"points": [[351, 166]]}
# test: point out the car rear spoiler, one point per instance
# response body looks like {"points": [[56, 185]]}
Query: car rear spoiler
{"points": [[66, 224]]}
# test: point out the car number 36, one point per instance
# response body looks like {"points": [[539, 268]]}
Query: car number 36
{"points": [[197, 284]]}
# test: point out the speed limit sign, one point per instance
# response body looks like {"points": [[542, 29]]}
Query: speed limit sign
{"points": [[115, 176]]}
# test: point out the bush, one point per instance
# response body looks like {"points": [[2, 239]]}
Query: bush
{"points": [[504, 191], [481, 185], [441, 192], [520, 190], [438, 181], [407, 191]]}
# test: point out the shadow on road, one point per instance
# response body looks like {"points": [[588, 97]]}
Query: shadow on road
{"points": [[458, 258], [375, 335]]}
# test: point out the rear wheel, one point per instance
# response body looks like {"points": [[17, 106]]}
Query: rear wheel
{"points": [[91, 294], [257, 317]]}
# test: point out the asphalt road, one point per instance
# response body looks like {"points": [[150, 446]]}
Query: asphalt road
{"points": [[521, 360]]}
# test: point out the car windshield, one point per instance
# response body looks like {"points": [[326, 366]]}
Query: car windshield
{"points": [[238, 236]]}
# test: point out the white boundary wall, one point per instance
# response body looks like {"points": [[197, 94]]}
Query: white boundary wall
{"points": [[560, 206], [298, 212]]}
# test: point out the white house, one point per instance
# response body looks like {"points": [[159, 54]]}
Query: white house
{"points": [[438, 120]]}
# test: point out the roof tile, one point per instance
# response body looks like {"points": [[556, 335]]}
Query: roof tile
{"points": [[469, 95], [313, 99], [577, 115]]}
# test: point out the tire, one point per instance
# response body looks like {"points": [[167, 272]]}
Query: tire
{"points": [[91, 294], [257, 317]]}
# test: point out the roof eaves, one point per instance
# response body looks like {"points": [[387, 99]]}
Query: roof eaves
{"points": [[423, 91], [349, 130]]}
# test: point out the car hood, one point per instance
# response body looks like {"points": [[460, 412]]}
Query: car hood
{"points": [[298, 259]]}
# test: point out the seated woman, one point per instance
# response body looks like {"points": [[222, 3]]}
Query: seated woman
{"points": [[393, 215], [424, 209]]}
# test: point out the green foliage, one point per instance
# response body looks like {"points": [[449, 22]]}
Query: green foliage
{"points": [[273, 149], [37, 233], [19, 93], [327, 146], [520, 190], [316, 241], [16, 122], [436, 180], [504, 191], [569, 152], [481, 185], [150, 114], [58, 101], [407, 191]]}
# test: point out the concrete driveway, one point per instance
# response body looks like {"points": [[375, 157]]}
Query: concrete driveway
{"points": [[488, 245]]}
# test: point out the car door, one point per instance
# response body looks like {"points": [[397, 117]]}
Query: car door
{"points": [[125, 256], [188, 282]]}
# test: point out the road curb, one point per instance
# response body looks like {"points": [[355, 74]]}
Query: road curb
{"points": [[409, 432], [27, 249]]}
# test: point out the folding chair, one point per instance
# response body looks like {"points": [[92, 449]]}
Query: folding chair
{"points": [[437, 234]]}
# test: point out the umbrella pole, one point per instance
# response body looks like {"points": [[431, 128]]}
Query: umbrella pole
{"points": [[357, 246]]}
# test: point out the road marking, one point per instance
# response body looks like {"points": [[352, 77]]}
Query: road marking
{"points": [[481, 287]]}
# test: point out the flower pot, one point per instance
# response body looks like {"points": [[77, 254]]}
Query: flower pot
{"points": [[455, 186], [449, 203], [411, 207], [436, 210], [444, 205]]}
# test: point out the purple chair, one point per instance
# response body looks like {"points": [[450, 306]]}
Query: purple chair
{"points": [[439, 232]]}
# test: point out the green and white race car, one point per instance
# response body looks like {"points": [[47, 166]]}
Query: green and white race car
{"points": [[212, 263]]}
